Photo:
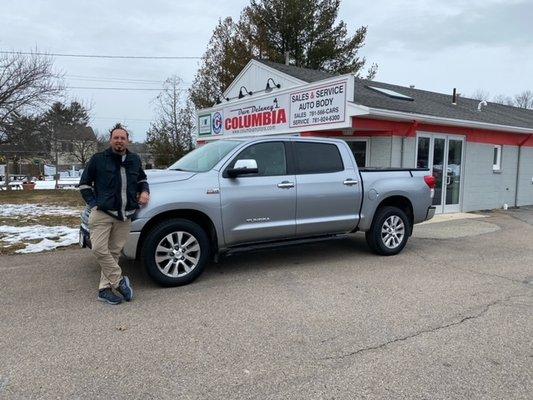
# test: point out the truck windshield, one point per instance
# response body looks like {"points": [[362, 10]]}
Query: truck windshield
{"points": [[206, 157]]}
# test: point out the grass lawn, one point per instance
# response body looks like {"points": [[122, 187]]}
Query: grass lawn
{"points": [[56, 197], [66, 198]]}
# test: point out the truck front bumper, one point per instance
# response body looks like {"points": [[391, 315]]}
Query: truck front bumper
{"points": [[431, 212], [130, 248]]}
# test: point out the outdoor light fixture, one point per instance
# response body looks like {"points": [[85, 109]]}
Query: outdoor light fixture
{"points": [[246, 92], [269, 88]]}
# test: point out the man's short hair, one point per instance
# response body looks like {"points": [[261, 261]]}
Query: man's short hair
{"points": [[118, 125]]}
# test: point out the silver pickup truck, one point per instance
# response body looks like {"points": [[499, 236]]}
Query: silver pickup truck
{"points": [[240, 194]]}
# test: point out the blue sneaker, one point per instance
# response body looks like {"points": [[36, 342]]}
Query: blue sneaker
{"points": [[125, 289], [108, 296]]}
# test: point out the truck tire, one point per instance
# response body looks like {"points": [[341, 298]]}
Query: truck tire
{"points": [[389, 231], [175, 252]]}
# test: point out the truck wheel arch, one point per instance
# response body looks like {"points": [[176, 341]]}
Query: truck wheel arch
{"points": [[403, 203], [195, 216]]}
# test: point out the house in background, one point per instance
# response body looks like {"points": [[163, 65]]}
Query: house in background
{"points": [[141, 149], [74, 146]]}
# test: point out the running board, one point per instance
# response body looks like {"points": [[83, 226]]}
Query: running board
{"points": [[285, 243]]}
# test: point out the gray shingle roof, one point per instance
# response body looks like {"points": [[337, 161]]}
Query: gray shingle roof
{"points": [[81, 133], [424, 102], [304, 74]]}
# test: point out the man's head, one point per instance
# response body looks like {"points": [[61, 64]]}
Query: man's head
{"points": [[118, 138]]}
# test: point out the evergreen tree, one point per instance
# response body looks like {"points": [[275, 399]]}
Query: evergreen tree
{"points": [[227, 53], [306, 30], [70, 123]]}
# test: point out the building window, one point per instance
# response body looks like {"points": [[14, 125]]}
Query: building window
{"points": [[497, 158], [67, 147], [358, 148], [422, 154]]}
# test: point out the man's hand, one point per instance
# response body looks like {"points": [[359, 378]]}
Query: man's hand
{"points": [[144, 198]]}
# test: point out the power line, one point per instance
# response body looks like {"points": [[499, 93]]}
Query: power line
{"points": [[119, 80], [104, 56], [113, 80], [124, 119], [110, 77], [114, 88]]}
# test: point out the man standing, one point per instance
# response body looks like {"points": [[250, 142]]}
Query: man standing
{"points": [[114, 185]]}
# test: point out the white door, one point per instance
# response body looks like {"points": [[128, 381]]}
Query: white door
{"points": [[443, 155]]}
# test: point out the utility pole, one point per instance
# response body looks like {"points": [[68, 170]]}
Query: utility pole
{"points": [[7, 174], [56, 157]]}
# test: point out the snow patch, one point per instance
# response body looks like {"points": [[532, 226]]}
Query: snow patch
{"points": [[51, 237], [36, 210]]}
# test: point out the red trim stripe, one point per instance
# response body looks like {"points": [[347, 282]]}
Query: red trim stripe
{"points": [[377, 127]]}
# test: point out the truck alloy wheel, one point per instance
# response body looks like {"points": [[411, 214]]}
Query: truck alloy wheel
{"points": [[175, 252], [392, 232], [389, 231]]}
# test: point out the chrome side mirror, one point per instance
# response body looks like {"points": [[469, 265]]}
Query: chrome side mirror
{"points": [[243, 167]]}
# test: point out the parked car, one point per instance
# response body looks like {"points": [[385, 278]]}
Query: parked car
{"points": [[239, 194]]}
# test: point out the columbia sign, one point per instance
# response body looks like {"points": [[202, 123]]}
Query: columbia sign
{"points": [[317, 106]]}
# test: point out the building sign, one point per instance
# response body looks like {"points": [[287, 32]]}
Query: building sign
{"points": [[204, 124], [317, 106], [265, 115], [217, 123]]}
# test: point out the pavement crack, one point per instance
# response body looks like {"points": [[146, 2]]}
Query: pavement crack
{"points": [[423, 257], [483, 311], [487, 274]]}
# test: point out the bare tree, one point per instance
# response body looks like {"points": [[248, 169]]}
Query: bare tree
{"points": [[171, 135], [503, 99], [481, 94], [102, 140], [524, 99], [84, 145], [27, 82]]}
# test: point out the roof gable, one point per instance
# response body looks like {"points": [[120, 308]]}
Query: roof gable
{"points": [[303, 74], [254, 77]]}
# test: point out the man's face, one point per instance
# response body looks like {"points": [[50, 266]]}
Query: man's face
{"points": [[119, 140]]}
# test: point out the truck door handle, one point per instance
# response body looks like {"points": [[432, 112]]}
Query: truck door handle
{"points": [[350, 182], [286, 185]]}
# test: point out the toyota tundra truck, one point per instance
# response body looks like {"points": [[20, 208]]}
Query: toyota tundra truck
{"points": [[231, 195]]}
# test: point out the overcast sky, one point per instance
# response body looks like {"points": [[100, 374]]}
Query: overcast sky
{"points": [[432, 44]]}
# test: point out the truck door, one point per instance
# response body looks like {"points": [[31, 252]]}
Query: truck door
{"points": [[260, 206], [328, 189]]}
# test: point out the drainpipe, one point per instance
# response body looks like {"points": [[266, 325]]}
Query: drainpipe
{"points": [[518, 168], [412, 129]]}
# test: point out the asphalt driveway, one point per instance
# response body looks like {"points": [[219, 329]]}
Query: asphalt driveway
{"points": [[449, 318]]}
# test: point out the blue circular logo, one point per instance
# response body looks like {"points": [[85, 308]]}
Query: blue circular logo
{"points": [[217, 123]]}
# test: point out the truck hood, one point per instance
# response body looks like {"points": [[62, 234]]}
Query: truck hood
{"points": [[166, 175]]}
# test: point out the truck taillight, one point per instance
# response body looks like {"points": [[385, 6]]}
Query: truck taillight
{"points": [[431, 182]]}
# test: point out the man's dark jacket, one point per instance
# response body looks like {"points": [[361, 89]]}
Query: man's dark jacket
{"points": [[112, 184]]}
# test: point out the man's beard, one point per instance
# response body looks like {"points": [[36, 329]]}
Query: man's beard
{"points": [[119, 149]]}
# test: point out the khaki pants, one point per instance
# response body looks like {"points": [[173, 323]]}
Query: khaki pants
{"points": [[108, 237]]}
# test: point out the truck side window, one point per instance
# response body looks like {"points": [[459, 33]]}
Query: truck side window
{"points": [[317, 158], [270, 157]]}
